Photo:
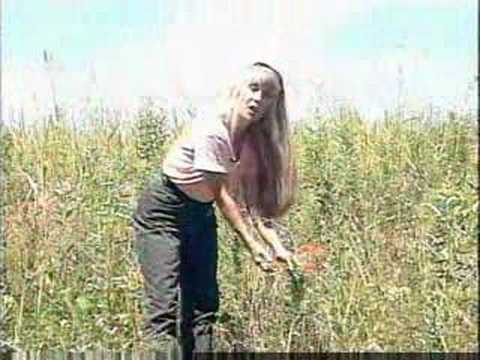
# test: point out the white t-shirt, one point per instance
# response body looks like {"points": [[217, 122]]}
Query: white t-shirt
{"points": [[205, 147]]}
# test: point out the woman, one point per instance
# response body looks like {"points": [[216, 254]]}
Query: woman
{"points": [[242, 162]]}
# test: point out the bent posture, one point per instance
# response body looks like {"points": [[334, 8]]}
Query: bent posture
{"points": [[240, 159]]}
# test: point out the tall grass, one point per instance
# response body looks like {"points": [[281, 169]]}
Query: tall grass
{"points": [[395, 204]]}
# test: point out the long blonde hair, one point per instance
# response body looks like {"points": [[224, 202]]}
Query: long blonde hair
{"points": [[265, 180]]}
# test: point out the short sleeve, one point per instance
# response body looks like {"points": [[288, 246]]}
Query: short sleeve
{"points": [[211, 153]]}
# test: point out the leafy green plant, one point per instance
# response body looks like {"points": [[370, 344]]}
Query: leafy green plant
{"points": [[395, 203], [152, 131]]}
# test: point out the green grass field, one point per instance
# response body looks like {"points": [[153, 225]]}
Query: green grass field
{"points": [[394, 203]]}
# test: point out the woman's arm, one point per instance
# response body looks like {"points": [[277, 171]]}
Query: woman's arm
{"points": [[272, 239], [231, 211]]}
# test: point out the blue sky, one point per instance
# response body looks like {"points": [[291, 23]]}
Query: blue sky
{"points": [[445, 31], [76, 30], [349, 49]]}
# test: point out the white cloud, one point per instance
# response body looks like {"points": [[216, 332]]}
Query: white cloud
{"points": [[407, 76], [24, 85], [206, 45], [435, 3], [70, 3]]}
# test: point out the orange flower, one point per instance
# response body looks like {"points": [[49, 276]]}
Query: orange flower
{"points": [[311, 257]]}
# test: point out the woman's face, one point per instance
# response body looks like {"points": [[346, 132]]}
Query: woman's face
{"points": [[257, 95]]}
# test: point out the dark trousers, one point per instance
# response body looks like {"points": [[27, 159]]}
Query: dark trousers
{"points": [[176, 243]]}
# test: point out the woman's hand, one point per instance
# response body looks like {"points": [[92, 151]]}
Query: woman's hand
{"points": [[282, 254], [232, 213], [272, 239], [261, 257]]}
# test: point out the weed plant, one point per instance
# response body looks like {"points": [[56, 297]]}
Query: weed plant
{"points": [[394, 202]]}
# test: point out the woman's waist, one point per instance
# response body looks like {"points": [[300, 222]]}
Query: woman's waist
{"points": [[193, 209], [198, 192], [192, 185], [194, 196], [162, 204]]}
